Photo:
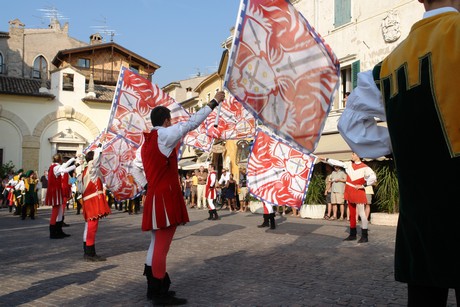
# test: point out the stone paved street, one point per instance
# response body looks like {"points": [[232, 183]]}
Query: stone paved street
{"points": [[229, 262]]}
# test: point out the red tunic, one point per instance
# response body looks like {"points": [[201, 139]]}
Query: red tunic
{"points": [[95, 204], [355, 177], [54, 190], [164, 205], [211, 190]]}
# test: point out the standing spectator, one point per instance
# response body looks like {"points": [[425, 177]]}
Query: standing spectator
{"points": [[201, 174], [30, 195], [369, 194], [327, 193], [95, 204], [194, 189], [243, 190], [230, 193], [338, 180], [345, 98], [211, 192], [187, 189], [54, 194], [155, 169], [418, 97], [44, 182], [358, 176], [134, 205]]}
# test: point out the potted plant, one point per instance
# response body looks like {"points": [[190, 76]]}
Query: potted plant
{"points": [[314, 205], [255, 205], [386, 196]]}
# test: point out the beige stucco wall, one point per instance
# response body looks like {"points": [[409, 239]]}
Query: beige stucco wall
{"points": [[31, 122], [362, 38]]}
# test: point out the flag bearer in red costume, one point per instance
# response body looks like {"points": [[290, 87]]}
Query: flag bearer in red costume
{"points": [[54, 194], [95, 204], [155, 169], [359, 175], [211, 193]]}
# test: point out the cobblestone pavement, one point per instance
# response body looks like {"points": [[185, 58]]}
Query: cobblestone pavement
{"points": [[230, 262]]}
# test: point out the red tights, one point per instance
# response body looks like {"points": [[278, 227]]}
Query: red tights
{"points": [[159, 247], [55, 212], [89, 236]]}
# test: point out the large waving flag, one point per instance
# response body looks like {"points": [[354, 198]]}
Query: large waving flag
{"points": [[276, 172], [199, 138], [282, 71], [234, 122], [134, 98]]}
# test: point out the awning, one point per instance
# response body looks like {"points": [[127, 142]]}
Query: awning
{"points": [[201, 161], [195, 166], [184, 162], [333, 146]]}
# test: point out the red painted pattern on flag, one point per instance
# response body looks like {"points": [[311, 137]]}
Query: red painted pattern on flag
{"points": [[282, 71], [199, 138], [276, 172], [235, 122]]}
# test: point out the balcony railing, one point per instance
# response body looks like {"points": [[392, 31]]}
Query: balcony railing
{"points": [[103, 75]]}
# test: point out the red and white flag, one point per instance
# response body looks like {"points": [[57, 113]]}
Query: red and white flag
{"points": [[129, 118], [276, 172], [234, 122], [282, 71]]}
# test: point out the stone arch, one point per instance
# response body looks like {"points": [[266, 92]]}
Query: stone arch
{"points": [[65, 112], [16, 120]]}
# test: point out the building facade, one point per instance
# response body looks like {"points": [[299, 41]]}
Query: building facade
{"points": [[56, 96]]}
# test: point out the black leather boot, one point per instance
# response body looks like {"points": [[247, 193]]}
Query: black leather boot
{"points": [[272, 220], [54, 234], [148, 274], [161, 294], [364, 238], [265, 223], [214, 212], [352, 235], [91, 256], [59, 229], [210, 214]]}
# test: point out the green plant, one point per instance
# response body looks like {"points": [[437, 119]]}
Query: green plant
{"points": [[6, 168], [387, 190], [315, 192]]}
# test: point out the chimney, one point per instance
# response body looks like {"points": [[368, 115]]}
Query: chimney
{"points": [[95, 39], [91, 93]]}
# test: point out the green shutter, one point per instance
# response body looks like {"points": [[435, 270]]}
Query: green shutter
{"points": [[355, 69], [342, 12]]}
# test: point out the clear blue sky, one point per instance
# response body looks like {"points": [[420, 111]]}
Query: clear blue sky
{"points": [[182, 36]]}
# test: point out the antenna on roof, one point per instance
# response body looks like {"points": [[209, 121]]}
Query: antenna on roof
{"points": [[197, 74], [52, 14], [104, 29]]}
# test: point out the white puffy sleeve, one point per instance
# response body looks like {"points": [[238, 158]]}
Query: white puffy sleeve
{"points": [[358, 124]]}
